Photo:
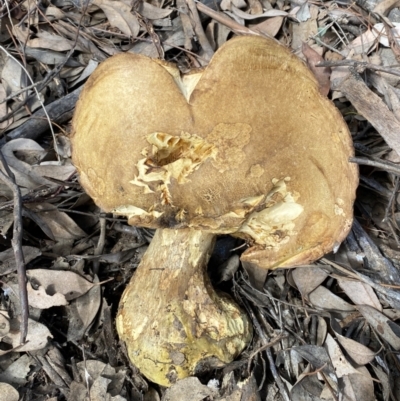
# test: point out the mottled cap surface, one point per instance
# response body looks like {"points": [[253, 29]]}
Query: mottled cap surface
{"points": [[246, 146]]}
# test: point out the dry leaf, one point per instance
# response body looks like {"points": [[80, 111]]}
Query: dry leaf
{"points": [[46, 40], [247, 16], [308, 278], [36, 339], [340, 363], [4, 323], [82, 311], [380, 324], [323, 298], [14, 78], [270, 26], [322, 74], [7, 258], [360, 293], [17, 372], [358, 387], [359, 353], [4, 110], [188, 389], [385, 383], [41, 300], [68, 283], [119, 15], [24, 173], [152, 12], [60, 224], [51, 57], [364, 43], [8, 392]]}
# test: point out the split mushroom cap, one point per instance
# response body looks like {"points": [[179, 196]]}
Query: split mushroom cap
{"points": [[247, 147]]}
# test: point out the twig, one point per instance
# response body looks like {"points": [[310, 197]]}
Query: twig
{"points": [[360, 64], [381, 164], [372, 107], [100, 245], [59, 111], [9, 180]]}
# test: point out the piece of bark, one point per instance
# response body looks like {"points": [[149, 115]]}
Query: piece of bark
{"points": [[59, 111], [372, 107]]}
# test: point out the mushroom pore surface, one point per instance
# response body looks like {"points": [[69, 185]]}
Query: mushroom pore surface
{"points": [[247, 147]]}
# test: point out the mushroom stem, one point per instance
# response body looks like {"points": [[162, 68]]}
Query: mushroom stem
{"points": [[171, 318]]}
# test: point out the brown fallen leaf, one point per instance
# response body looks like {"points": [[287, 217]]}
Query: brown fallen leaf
{"points": [[322, 74]]}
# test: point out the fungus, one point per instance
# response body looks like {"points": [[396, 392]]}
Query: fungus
{"points": [[247, 147]]}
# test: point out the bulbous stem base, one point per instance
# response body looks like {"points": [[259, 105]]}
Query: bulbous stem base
{"points": [[173, 322]]}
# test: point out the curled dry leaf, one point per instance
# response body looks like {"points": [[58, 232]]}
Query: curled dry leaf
{"points": [[119, 15], [24, 174], [67, 283], [42, 300], [380, 324], [36, 339], [360, 293]]}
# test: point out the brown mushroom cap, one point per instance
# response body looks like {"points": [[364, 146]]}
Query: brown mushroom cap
{"points": [[246, 146]]}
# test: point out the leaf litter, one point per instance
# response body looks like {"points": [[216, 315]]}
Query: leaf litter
{"points": [[322, 332]]}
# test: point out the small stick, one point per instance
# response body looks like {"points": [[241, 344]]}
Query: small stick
{"points": [[361, 64], [9, 180]]}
